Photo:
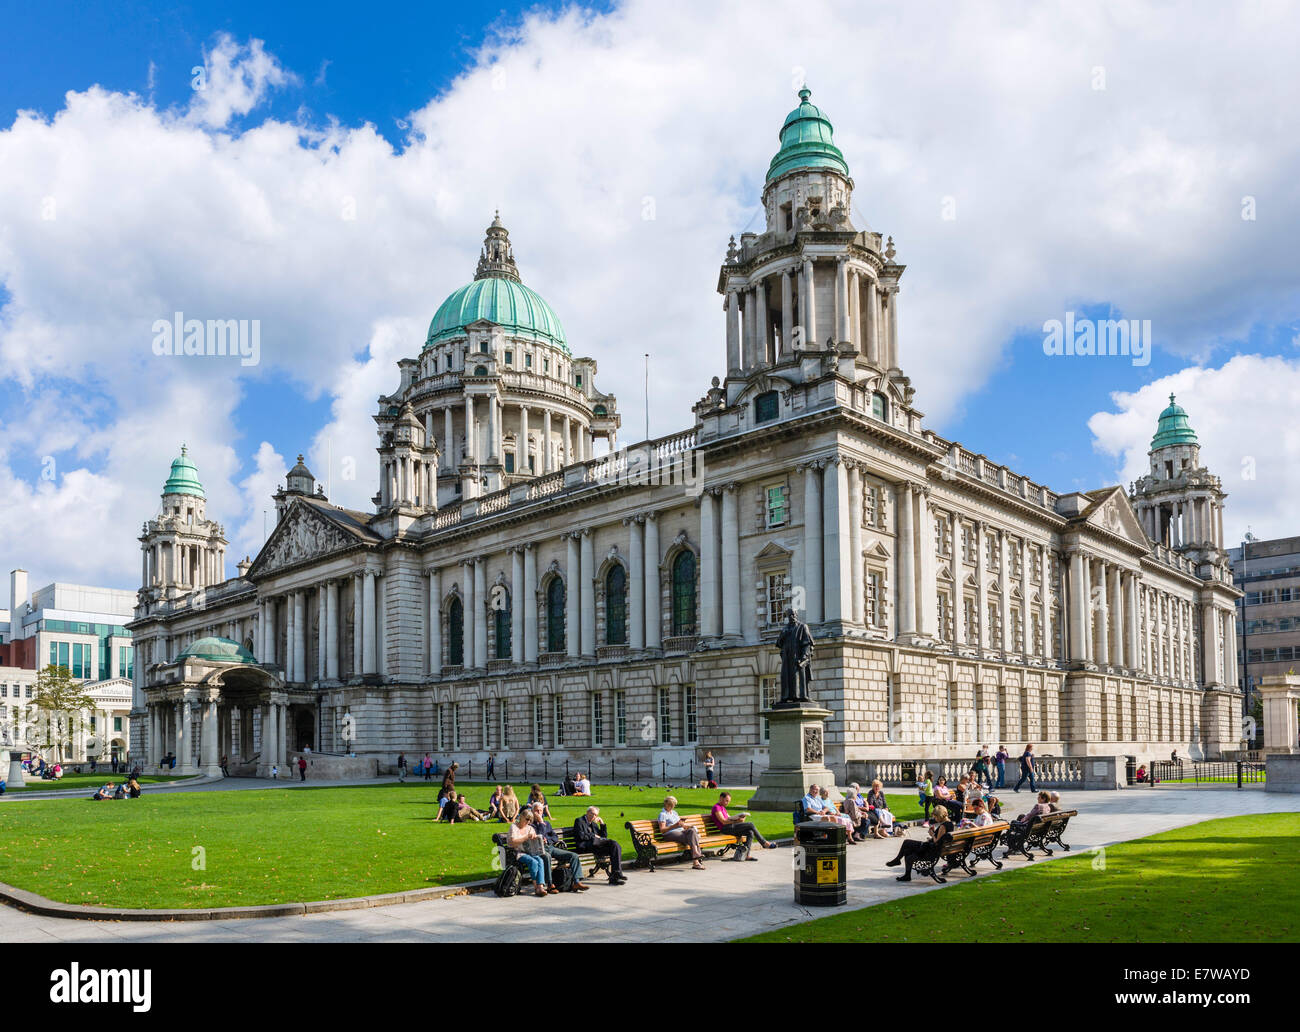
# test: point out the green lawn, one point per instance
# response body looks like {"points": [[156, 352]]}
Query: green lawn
{"points": [[284, 845], [88, 782], [1229, 880]]}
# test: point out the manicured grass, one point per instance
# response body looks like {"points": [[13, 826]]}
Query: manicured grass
{"points": [[283, 845], [88, 782], [1228, 880]]}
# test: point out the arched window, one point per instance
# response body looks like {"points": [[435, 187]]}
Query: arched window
{"points": [[684, 593], [880, 407], [501, 626], [555, 615], [766, 407], [480, 370], [616, 606], [599, 410], [456, 633]]}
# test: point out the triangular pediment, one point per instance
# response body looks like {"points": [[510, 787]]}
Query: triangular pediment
{"points": [[772, 552], [1111, 512], [878, 550], [302, 536]]}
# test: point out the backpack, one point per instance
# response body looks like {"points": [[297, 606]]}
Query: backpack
{"points": [[508, 882], [742, 852], [562, 876]]}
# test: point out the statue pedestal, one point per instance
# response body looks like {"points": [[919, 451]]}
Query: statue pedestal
{"points": [[11, 766], [798, 757]]}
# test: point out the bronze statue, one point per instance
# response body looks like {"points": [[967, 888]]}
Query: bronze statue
{"points": [[796, 645]]}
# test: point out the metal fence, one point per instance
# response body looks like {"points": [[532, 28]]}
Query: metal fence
{"points": [[1224, 772], [634, 771]]}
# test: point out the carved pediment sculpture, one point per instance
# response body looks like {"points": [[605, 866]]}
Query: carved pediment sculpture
{"points": [[302, 536]]}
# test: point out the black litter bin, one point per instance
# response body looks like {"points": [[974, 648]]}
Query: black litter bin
{"points": [[909, 774], [1131, 770], [819, 874]]}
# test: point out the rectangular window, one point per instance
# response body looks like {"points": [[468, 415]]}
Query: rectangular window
{"points": [[455, 725], [117, 723], [768, 693], [778, 593], [528, 361], [870, 504], [968, 611], [510, 462], [778, 505], [995, 625], [577, 381], [968, 545], [559, 719], [510, 358], [442, 728], [620, 719], [665, 717], [485, 723], [945, 615], [692, 719], [126, 661], [539, 722], [875, 617], [503, 709], [597, 719]]}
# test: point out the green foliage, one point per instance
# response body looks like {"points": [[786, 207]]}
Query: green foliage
{"points": [[60, 701]]}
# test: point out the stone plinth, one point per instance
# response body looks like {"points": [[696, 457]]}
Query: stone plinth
{"points": [[1282, 772], [798, 757], [11, 766], [1280, 694]]}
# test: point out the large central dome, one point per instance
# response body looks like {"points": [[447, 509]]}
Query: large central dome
{"points": [[497, 296]]}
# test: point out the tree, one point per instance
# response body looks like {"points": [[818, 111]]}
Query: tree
{"points": [[61, 701]]}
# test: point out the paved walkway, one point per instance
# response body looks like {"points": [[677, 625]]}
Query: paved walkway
{"points": [[675, 904]]}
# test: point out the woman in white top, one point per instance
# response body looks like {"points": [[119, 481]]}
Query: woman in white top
{"points": [[670, 827]]}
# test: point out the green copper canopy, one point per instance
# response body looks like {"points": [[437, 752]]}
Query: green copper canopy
{"points": [[498, 296], [223, 650], [806, 142], [184, 477], [1173, 427]]}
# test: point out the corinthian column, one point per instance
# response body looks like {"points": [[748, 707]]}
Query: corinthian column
{"points": [[529, 604], [812, 542], [905, 547], [653, 604], [573, 599], [730, 564], [636, 583], [837, 581], [710, 596]]}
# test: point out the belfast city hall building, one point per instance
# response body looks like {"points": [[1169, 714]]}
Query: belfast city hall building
{"points": [[516, 590]]}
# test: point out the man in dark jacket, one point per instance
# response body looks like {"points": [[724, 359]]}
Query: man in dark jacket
{"points": [[592, 836], [449, 782]]}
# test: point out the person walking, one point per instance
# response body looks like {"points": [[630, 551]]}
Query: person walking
{"points": [[225, 768], [1027, 768], [709, 764], [1001, 758], [428, 767], [491, 767], [401, 766], [302, 767]]}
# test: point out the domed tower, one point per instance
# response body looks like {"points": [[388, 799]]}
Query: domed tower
{"points": [[299, 482], [812, 284], [181, 548], [496, 396], [1179, 501]]}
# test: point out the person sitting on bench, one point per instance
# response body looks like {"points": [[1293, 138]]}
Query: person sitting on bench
{"points": [[1043, 806], [560, 857], [1054, 801], [738, 826], [671, 829], [591, 836], [524, 839], [912, 850], [981, 818]]}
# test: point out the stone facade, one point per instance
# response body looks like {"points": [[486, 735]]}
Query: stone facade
{"points": [[623, 607]]}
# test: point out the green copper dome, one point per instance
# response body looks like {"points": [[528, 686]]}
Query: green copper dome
{"points": [[184, 477], [1173, 427], [498, 296], [223, 650], [806, 142], [521, 311]]}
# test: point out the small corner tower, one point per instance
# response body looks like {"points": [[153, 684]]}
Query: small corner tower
{"points": [[181, 548], [1179, 501]]}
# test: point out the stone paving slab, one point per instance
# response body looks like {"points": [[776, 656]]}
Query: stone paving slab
{"points": [[727, 900]]}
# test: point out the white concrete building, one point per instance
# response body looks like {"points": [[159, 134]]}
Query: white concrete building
{"points": [[513, 592]]}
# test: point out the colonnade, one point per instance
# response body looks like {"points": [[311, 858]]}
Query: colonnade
{"points": [[183, 563], [330, 600], [199, 727]]}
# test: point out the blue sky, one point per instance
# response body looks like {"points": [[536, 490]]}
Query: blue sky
{"points": [[1122, 200]]}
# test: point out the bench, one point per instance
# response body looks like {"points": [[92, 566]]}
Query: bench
{"points": [[965, 848], [650, 845], [1042, 833], [568, 840]]}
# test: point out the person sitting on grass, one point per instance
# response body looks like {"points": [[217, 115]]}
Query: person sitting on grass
{"points": [[671, 829], [740, 825], [568, 787], [104, 791], [132, 788], [494, 805], [465, 812], [560, 857], [536, 795], [582, 786], [119, 792], [912, 850], [591, 836], [524, 839], [509, 805]]}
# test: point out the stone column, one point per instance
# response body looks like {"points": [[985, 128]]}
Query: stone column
{"points": [[435, 622], [873, 323], [573, 599], [448, 439], [636, 583], [516, 592], [927, 596], [568, 441], [184, 762], [547, 464], [322, 621], [807, 296], [211, 745], [1116, 620], [787, 313], [1078, 604], [358, 626], [710, 596], [480, 613], [653, 615], [733, 333], [1045, 592], [370, 660], [1004, 590], [588, 593], [905, 513], [841, 300], [760, 324], [837, 582], [812, 542], [471, 445], [893, 327], [857, 589], [300, 636], [529, 603], [958, 587], [731, 573], [522, 453], [332, 630]]}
